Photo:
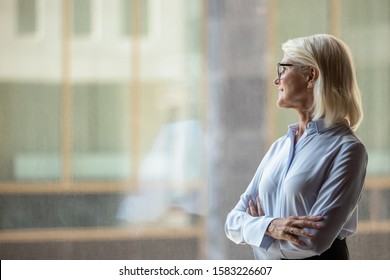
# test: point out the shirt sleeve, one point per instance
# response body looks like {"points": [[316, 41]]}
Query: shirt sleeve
{"points": [[242, 228], [336, 201]]}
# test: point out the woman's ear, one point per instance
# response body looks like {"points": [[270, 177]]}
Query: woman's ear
{"points": [[312, 76]]}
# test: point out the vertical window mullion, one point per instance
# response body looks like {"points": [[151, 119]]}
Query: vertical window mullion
{"points": [[66, 93]]}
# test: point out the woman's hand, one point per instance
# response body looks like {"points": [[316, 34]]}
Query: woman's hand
{"points": [[289, 228]]}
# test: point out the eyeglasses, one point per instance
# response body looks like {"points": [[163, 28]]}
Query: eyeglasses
{"points": [[280, 68]]}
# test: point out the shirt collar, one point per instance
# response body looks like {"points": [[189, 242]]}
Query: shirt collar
{"points": [[316, 126]]}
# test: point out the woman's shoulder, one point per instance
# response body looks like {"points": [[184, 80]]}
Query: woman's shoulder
{"points": [[350, 137], [348, 140]]}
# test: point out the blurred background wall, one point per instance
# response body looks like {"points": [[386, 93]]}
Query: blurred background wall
{"points": [[129, 128]]}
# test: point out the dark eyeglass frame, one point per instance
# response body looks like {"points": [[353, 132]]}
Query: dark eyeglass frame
{"points": [[279, 68]]}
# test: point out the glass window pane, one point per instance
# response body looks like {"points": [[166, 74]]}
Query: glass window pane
{"points": [[364, 22], [26, 16], [82, 17], [97, 131], [30, 129], [30, 97], [101, 137]]}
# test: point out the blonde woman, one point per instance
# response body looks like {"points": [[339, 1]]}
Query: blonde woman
{"points": [[302, 200]]}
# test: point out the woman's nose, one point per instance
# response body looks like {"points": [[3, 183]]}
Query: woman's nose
{"points": [[276, 81]]}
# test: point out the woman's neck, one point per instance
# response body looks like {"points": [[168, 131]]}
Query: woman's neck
{"points": [[305, 118]]}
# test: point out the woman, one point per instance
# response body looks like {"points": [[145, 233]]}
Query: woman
{"points": [[302, 200]]}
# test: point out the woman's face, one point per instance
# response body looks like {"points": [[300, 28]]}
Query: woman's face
{"points": [[293, 88]]}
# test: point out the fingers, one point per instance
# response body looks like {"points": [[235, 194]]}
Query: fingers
{"points": [[294, 231], [292, 237], [307, 224], [259, 207], [298, 225], [252, 208], [291, 234], [308, 218]]}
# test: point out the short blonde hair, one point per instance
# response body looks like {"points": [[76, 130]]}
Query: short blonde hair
{"points": [[336, 93]]}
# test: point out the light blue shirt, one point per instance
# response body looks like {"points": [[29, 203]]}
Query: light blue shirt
{"points": [[321, 175]]}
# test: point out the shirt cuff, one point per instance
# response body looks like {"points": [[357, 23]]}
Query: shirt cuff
{"points": [[254, 232]]}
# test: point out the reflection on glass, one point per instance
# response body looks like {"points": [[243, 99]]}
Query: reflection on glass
{"points": [[173, 161]]}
